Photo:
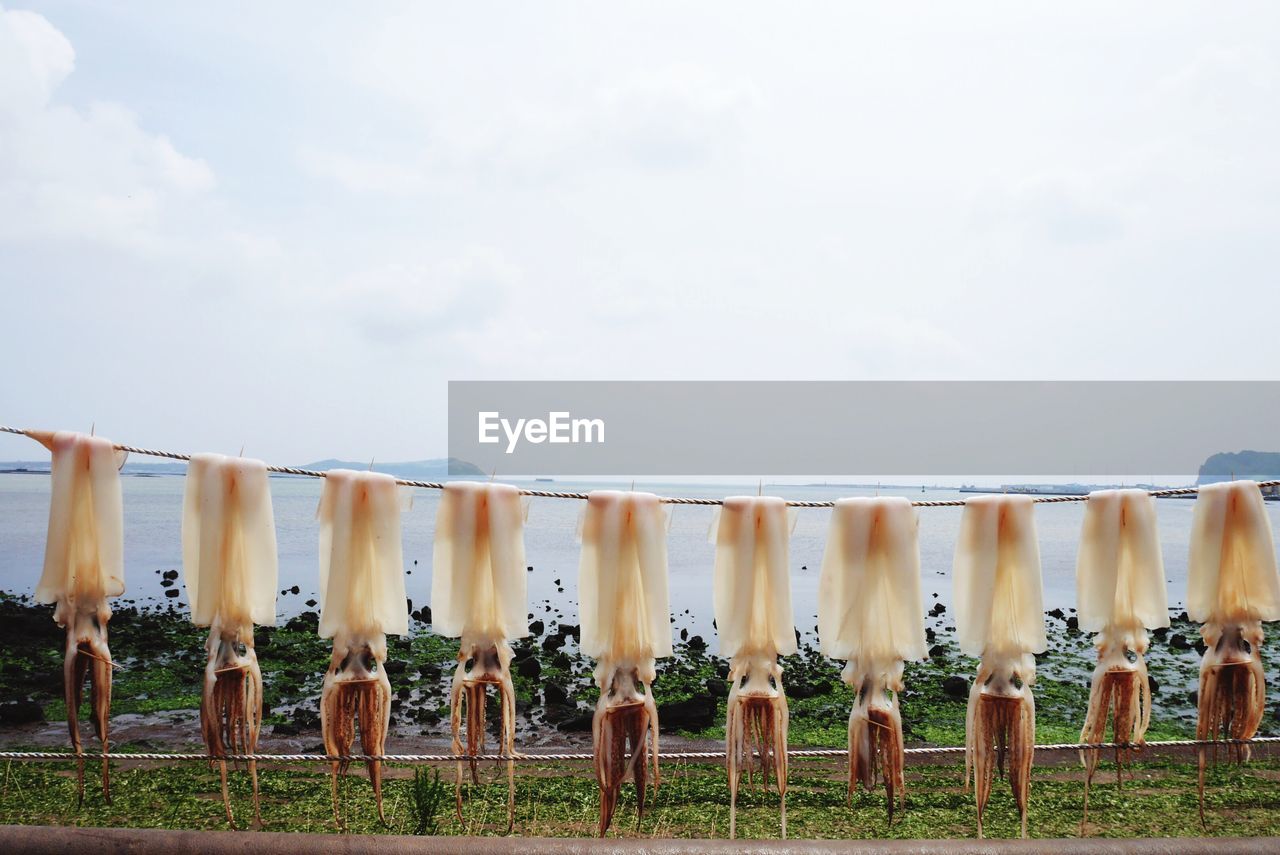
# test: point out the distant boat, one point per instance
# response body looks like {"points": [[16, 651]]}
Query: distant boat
{"points": [[544, 479]]}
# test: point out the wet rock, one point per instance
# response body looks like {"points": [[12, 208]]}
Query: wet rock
{"points": [[937, 652], [552, 643], [21, 712], [429, 671], [166, 583], [569, 629], [1178, 641], [1073, 623], [556, 713], [930, 635], [1153, 685], [1193, 697], [530, 668], [938, 609], [395, 667], [697, 644], [305, 622], [693, 713], [1160, 633], [285, 728], [808, 689], [173, 593], [170, 575], [956, 687], [562, 661], [716, 687], [1200, 646], [295, 590], [306, 719], [684, 635], [537, 627], [577, 723], [553, 694], [1056, 613]]}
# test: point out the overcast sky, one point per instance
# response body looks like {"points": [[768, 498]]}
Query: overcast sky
{"points": [[286, 226]]}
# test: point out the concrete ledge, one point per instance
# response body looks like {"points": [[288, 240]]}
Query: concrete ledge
{"points": [[24, 839]]}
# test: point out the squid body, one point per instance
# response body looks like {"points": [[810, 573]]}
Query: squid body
{"points": [[752, 593], [1000, 618], [871, 615], [626, 627], [478, 594], [83, 567], [229, 563], [1232, 586], [362, 601], [1120, 589]]}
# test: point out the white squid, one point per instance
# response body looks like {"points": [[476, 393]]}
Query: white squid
{"points": [[83, 566], [1000, 617], [871, 615], [229, 564], [1232, 586], [478, 594], [362, 601], [755, 624], [1120, 589], [626, 626]]}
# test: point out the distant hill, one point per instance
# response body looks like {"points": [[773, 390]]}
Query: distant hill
{"points": [[1230, 465], [413, 470]]}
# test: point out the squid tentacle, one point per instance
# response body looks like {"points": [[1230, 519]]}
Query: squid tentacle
{"points": [[356, 696], [482, 662]]}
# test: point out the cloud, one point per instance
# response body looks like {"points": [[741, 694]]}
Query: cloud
{"points": [[396, 303], [1056, 208], [91, 174], [669, 117]]}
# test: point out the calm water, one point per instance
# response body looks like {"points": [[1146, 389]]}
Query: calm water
{"points": [[153, 520]]}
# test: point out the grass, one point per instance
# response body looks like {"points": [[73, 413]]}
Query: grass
{"points": [[558, 800]]}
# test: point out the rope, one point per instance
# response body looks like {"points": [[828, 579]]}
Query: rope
{"points": [[576, 756], [670, 500]]}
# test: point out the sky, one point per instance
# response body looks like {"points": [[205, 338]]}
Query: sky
{"points": [[287, 226]]}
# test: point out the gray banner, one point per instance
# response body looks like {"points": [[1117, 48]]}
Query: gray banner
{"points": [[927, 428]]}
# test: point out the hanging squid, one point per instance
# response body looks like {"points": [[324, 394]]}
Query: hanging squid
{"points": [[83, 566], [1232, 586], [1121, 593], [752, 592], [870, 614], [478, 594], [362, 600], [999, 617], [230, 567], [626, 626]]}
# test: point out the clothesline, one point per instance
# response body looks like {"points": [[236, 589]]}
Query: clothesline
{"points": [[521, 756], [670, 500]]}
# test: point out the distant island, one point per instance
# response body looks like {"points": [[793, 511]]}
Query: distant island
{"points": [[1235, 465], [412, 470]]}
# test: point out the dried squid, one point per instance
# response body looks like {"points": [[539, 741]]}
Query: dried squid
{"points": [[752, 593], [1121, 593], [870, 614], [478, 594], [230, 567], [999, 617], [83, 566], [1232, 586], [362, 601], [626, 626]]}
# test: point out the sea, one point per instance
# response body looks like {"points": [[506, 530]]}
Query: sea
{"points": [[153, 545]]}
